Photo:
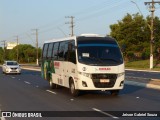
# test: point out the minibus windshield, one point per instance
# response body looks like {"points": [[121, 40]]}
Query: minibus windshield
{"points": [[98, 51]]}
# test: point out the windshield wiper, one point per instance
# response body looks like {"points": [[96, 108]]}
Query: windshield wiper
{"points": [[110, 59], [94, 58]]}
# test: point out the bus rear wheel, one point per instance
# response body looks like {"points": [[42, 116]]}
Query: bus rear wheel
{"points": [[73, 91], [52, 85]]}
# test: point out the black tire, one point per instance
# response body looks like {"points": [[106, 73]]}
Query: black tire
{"points": [[52, 85], [114, 92], [73, 91]]}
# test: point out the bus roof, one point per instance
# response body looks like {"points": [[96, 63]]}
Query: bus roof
{"points": [[74, 37]]}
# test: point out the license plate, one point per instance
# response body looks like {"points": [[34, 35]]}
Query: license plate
{"points": [[104, 80]]}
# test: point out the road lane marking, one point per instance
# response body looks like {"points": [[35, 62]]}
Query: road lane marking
{"points": [[100, 111], [27, 82], [51, 92]]}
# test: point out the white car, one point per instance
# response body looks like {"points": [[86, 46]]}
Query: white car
{"points": [[11, 67]]}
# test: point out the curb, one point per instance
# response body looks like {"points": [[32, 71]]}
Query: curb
{"points": [[34, 69], [143, 70], [142, 84]]}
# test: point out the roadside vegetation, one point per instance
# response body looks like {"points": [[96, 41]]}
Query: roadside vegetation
{"points": [[133, 36], [26, 54], [132, 33], [141, 65]]}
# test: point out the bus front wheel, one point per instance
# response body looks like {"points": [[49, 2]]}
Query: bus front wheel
{"points": [[73, 91]]}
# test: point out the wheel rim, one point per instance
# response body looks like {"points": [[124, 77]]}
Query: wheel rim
{"points": [[72, 88], [50, 83]]}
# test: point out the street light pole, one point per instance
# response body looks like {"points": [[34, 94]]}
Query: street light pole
{"points": [[137, 7]]}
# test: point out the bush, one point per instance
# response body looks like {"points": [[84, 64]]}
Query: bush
{"points": [[130, 56], [145, 55]]}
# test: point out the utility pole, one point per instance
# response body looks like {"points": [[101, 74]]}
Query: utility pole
{"points": [[36, 45], [72, 24], [4, 44], [17, 39], [151, 9]]}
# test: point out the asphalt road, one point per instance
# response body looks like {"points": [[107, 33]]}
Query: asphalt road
{"points": [[29, 92], [142, 74]]}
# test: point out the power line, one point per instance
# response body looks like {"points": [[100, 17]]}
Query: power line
{"points": [[88, 13], [62, 31], [101, 11], [93, 8]]}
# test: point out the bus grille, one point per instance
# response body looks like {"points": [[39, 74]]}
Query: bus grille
{"points": [[96, 78]]}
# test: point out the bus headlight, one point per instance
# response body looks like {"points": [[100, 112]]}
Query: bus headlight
{"points": [[85, 74], [121, 74]]}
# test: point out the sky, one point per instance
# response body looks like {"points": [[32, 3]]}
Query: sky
{"points": [[21, 17]]}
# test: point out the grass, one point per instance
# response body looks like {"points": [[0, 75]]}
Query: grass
{"points": [[141, 65]]}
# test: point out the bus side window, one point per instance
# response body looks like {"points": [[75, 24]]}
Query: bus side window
{"points": [[66, 51], [50, 47], [61, 51], [45, 48], [55, 51], [71, 54]]}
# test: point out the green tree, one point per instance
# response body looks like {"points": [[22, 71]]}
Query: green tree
{"points": [[133, 35], [26, 53], [1, 55]]}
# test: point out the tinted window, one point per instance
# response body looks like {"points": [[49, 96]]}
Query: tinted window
{"points": [[45, 47], [61, 51], [50, 48], [99, 51], [66, 51], [12, 63], [70, 54], [55, 51]]}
